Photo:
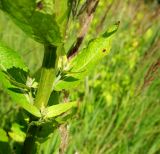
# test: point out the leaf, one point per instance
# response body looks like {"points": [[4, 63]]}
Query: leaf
{"points": [[68, 82], [58, 109], [16, 133], [112, 29], [86, 60], [12, 64], [35, 18], [3, 136], [89, 57]]}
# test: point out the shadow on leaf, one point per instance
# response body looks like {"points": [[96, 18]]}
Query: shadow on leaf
{"points": [[17, 90], [17, 74], [70, 79], [17, 78]]}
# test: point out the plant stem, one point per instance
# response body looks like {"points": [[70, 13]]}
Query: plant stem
{"points": [[48, 74], [29, 146]]}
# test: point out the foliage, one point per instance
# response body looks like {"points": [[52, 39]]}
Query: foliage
{"points": [[118, 109], [46, 22]]}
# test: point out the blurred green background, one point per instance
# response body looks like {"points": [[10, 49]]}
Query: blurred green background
{"points": [[120, 101]]}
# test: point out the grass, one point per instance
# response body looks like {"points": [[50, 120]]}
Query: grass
{"points": [[128, 129], [120, 100], [121, 112]]}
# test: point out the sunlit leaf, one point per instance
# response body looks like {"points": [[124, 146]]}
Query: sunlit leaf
{"points": [[35, 19], [16, 133], [58, 109], [87, 59], [3, 136], [11, 65]]}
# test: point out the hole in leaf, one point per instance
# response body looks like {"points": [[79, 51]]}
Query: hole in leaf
{"points": [[104, 50], [40, 5]]}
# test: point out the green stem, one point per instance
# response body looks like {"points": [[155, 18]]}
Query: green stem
{"points": [[29, 146], [48, 74]]}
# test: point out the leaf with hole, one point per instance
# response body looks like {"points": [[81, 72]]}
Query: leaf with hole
{"points": [[86, 60]]}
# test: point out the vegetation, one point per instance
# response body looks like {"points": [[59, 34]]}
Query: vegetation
{"points": [[97, 91]]}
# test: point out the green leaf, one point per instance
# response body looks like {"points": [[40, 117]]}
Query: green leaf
{"points": [[16, 133], [112, 29], [86, 60], [35, 18], [59, 109], [83, 63], [12, 67], [68, 82], [3, 136], [62, 10], [90, 56]]}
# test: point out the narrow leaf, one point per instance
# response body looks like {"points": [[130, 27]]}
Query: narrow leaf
{"points": [[112, 29], [58, 109]]}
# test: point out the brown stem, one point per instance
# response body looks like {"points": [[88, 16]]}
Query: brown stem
{"points": [[64, 138], [87, 16]]}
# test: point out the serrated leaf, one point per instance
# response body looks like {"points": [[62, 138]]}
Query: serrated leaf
{"points": [[35, 19], [98, 48], [86, 60], [88, 57], [59, 109], [10, 62]]}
